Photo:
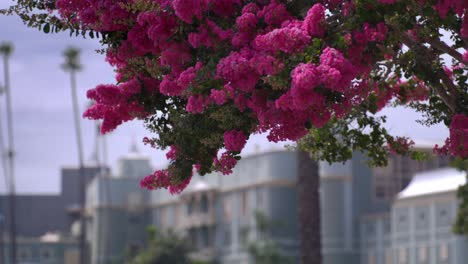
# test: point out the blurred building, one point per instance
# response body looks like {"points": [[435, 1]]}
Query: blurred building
{"points": [[214, 211], [51, 248], [390, 180], [399, 214], [360, 206], [58, 210], [353, 191], [418, 228], [38, 215], [117, 211]]}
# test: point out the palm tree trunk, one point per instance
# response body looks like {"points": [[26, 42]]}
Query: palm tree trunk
{"points": [[308, 183]]}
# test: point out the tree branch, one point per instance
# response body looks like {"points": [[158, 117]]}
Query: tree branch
{"points": [[436, 43], [449, 99]]}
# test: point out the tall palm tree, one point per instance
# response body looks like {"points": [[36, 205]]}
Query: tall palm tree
{"points": [[6, 49], [72, 65]]}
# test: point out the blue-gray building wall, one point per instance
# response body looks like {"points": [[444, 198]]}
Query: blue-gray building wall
{"points": [[285, 215], [264, 182], [422, 230], [118, 218], [376, 240], [70, 180], [338, 241], [34, 251], [356, 225], [29, 207], [51, 207]]}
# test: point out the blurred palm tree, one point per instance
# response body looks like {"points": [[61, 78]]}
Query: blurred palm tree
{"points": [[6, 49], [72, 65]]}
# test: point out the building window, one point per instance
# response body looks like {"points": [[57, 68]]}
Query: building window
{"points": [[177, 213], [227, 236], [245, 206], [162, 216], [422, 217], [443, 213], [402, 219], [134, 219], [134, 199], [371, 258], [380, 192], [192, 234], [191, 206], [388, 257], [370, 229], [205, 236], [46, 253], [387, 227], [259, 198], [227, 207], [24, 254], [243, 234], [422, 254], [204, 203], [133, 248], [383, 186], [402, 256], [443, 252], [444, 217]]}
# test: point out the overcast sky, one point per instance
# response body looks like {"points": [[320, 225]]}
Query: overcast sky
{"points": [[43, 117]]}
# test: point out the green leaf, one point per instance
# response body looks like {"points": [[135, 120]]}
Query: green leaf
{"points": [[46, 28]]}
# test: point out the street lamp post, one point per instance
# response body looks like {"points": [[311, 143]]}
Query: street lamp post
{"points": [[6, 49], [72, 65]]}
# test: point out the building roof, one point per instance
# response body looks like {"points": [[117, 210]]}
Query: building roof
{"points": [[134, 156], [50, 237], [431, 182], [134, 153], [427, 143], [199, 185]]}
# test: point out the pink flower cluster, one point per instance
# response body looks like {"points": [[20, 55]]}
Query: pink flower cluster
{"points": [[197, 103], [234, 140], [253, 56], [400, 145], [187, 11], [225, 164], [162, 180], [457, 144], [315, 23], [445, 6], [237, 71], [172, 153], [159, 179], [289, 39], [113, 103], [459, 136], [459, 7], [388, 2], [412, 91], [306, 101], [96, 14], [274, 14], [293, 35]]}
